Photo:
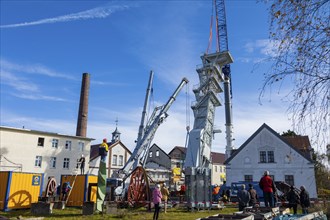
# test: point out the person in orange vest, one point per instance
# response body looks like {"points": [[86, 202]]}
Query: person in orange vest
{"points": [[215, 193], [103, 150]]}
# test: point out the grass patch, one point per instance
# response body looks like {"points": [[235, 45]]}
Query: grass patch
{"points": [[126, 214], [178, 213]]}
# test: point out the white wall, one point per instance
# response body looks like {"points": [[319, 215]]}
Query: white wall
{"points": [[218, 171], [21, 146], [287, 162]]}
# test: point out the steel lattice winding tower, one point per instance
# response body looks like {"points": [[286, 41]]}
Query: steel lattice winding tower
{"points": [[198, 155]]}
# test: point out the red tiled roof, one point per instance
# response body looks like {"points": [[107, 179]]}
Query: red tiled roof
{"points": [[218, 158], [301, 143]]}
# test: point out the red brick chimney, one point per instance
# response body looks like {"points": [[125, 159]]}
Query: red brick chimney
{"points": [[83, 106]]}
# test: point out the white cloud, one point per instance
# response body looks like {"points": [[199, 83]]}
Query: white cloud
{"points": [[15, 75], [264, 47], [31, 69], [40, 97], [18, 83], [40, 124], [99, 12]]}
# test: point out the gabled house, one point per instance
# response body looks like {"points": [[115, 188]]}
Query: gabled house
{"points": [[178, 155], [158, 165], [267, 150], [118, 155]]}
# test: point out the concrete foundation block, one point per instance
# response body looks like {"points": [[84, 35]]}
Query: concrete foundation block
{"points": [[88, 208], [111, 207], [41, 208], [59, 205]]}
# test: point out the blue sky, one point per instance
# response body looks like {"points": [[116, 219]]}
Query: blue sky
{"points": [[47, 45]]}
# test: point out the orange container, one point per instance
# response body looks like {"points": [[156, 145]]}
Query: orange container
{"points": [[80, 188]]}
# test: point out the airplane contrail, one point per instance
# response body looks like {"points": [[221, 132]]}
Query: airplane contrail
{"points": [[99, 12]]}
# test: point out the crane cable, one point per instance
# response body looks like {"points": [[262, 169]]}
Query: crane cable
{"points": [[217, 26], [187, 114], [211, 33]]}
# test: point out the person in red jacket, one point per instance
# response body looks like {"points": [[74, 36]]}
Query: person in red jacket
{"points": [[267, 185]]}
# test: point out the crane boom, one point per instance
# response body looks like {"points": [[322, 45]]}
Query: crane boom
{"points": [[142, 147], [222, 38], [221, 26], [145, 107]]}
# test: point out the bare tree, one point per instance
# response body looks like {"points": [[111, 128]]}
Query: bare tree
{"points": [[301, 32]]}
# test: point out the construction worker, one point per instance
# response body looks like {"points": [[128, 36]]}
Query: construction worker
{"points": [[215, 193], [103, 150], [82, 164], [65, 190]]}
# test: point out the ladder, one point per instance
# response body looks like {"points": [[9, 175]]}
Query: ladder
{"points": [[75, 174]]}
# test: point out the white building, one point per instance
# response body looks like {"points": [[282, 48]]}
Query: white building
{"points": [[118, 155], [53, 154], [267, 150], [218, 168]]}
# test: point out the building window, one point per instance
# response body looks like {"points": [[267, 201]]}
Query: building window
{"points": [[121, 160], [53, 162], [262, 156], [114, 160], [66, 163], [150, 154], [216, 168], [266, 156], [289, 180], [220, 169], [270, 156], [248, 178], [38, 161], [68, 145], [81, 146], [55, 143], [41, 142], [157, 153]]}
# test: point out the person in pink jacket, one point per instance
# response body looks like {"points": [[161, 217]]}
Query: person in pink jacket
{"points": [[156, 199]]}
